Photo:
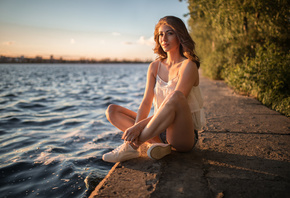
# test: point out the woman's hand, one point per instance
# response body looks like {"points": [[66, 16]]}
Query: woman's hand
{"points": [[132, 133]]}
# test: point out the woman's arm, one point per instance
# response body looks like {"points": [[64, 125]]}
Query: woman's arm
{"points": [[146, 104], [134, 131], [144, 109], [188, 77]]}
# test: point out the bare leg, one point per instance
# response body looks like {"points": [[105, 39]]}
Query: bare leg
{"points": [[123, 118], [120, 117], [175, 116]]}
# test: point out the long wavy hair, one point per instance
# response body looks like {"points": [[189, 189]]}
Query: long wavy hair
{"points": [[187, 45]]}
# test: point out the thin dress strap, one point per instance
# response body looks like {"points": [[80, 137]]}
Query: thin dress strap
{"points": [[158, 67]]}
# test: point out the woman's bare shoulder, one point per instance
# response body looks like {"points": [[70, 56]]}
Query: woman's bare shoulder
{"points": [[153, 67], [189, 63], [189, 72], [188, 66], [155, 63]]}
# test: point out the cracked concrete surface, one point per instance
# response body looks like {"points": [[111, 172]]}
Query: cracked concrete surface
{"points": [[242, 152]]}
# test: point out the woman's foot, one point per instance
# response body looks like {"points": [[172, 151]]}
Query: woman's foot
{"points": [[158, 150], [122, 153]]}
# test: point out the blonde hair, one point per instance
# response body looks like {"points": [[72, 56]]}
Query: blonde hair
{"points": [[187, 45]]}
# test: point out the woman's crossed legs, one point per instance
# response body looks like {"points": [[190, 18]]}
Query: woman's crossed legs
{"points": [[174, 116]]}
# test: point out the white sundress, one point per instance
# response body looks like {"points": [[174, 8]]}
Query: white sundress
{"points": [[195, 100]]}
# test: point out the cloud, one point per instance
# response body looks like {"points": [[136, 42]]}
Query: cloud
{"points": [[143, 41], [116, 33], [72, 41], [8, 43], [127, 43]]}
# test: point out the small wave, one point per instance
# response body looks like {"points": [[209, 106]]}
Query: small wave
{"points": [[19, 142], [80, 115], [58, 150], [97, 123], [10, 95], [71, 123], [46, 158], [41, 123], [64, 108], [111, 136], [105, 104], [42, 100], [3, 102], [32, 106], [95, 98], [14, 168], [13, 120], [2, 132], [107, 98], [91, 181], [9, 109], [65, 171], [72, 135]]}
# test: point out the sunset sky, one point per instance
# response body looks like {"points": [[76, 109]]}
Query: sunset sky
{"points": [[75, 29]]}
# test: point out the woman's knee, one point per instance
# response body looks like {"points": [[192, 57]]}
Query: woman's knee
{"points": [[112, 108], [178, 95], [176, 98]]}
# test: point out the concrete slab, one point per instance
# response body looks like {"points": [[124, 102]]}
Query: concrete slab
{"points": [[242, 152]]}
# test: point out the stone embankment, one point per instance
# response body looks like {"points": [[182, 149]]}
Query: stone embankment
{"points": [[242, 152]]}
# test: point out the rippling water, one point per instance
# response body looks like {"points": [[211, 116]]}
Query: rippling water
{"points": [[53, 129]]}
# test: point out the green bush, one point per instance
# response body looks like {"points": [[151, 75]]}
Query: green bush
{"points": [[214, 71], [246, 44], [265, 77]]}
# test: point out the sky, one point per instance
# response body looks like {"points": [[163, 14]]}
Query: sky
{"points": [[91, 29]]}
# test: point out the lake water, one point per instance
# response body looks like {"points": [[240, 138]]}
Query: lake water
{"points": [[53, 128]]}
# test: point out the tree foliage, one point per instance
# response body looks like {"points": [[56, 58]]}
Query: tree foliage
{"points": [[246, 43]]}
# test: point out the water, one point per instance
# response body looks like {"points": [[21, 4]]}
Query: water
{"points": [[53, 128]]}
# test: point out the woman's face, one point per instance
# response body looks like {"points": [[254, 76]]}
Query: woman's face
{"points": [[168, 38]]}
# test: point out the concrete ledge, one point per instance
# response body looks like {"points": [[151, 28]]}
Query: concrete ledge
{"points": [[133, 178], [244, 151]]}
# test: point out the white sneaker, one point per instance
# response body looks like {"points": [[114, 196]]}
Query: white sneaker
{"points": [[122, 153], [158, 150]]}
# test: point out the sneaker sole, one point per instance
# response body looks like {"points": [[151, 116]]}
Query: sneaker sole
{"points": [[121, 159], [157, 152]]}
